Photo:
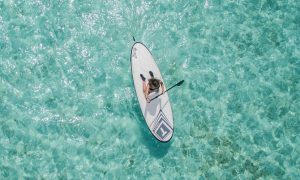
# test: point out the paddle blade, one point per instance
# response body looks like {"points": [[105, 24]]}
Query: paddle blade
{"points": [[179, 83]]}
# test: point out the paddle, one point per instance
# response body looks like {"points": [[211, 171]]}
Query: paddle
{"points": [[178, 84]]}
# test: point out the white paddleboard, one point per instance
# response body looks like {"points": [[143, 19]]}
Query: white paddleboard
{"points": [[157, 113]]}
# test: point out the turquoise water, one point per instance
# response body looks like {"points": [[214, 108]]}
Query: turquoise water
{"points": [[68, 108]]}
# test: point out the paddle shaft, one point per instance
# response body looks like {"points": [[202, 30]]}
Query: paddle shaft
{"points": [[177, 84]]}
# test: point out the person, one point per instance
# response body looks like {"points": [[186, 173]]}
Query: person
{"points": [[153, 85]]}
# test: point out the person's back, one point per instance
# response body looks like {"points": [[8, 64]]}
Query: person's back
{"points": [[154, 84]]}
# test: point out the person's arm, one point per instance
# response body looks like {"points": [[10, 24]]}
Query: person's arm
{"points": [[147, 93], [162, 87]]}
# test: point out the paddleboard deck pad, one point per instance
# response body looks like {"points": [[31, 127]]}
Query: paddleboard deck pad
{"points": [[157, 113]]}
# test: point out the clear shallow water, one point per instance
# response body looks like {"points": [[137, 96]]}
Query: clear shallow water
{"points": [[68, 108]]}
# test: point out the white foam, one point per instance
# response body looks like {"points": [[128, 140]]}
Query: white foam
{"points": [[206, 5]]}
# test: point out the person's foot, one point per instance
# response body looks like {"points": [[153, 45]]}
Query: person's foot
{"points": [[151, 74], [143, 78]]}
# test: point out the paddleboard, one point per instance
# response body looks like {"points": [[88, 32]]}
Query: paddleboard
{"points": [[157, 113]]}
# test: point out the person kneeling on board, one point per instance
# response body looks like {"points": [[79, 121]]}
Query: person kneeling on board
{"points": [[153, 85]]}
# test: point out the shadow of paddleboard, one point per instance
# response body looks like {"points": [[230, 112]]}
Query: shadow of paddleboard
{"points": [[156, 148]]}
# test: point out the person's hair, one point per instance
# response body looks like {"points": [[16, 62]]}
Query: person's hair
{"points": [[154, 83]]}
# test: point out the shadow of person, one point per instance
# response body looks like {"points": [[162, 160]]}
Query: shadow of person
{"points": [[153, 107]]}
